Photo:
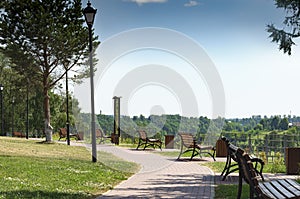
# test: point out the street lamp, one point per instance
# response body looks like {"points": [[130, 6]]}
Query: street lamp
{"points": [[89, 15], [2, 110]]}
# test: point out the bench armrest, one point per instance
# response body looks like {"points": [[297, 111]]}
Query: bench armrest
{"points": [[258, 160]]}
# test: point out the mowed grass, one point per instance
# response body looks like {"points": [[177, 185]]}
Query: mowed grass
{"points": [[33, 169]]}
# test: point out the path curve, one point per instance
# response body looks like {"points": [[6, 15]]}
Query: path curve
{"points": [[161, 177]]}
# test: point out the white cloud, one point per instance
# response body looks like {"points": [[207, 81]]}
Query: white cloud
{"points": [[191, 3], [140, 2]]}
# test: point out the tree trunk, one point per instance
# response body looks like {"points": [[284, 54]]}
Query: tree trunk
{"points": [[48, 128]]}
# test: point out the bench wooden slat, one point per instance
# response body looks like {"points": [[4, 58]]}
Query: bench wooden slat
{"points": [[293, 183], [282, 189], [274, 191], [290, 187], [265, 191]]}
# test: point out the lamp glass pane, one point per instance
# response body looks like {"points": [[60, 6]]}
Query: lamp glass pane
{"points": [[89, 18]]}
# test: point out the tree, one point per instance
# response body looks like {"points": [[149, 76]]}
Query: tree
{"points": [[45, 39], [284, 124], [275, 121], [285, 36]]}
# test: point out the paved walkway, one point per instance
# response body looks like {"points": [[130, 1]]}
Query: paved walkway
{"points": [[164, 177], [161, 177]]}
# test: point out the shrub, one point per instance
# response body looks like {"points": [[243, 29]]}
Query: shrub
{"points": [[278, 164]]}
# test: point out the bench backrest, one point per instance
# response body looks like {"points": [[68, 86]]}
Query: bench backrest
{"points": [[246, 169], [63, 132], [187, 139], [18, 134], [142, 135], [231, 152], [99, 133]]}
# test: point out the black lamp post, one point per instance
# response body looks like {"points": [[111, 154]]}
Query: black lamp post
{"points": [[67, 101], [2, 110], [89, 15], [13, 116], [27, 108]]}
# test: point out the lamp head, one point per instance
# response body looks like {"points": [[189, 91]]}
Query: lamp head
{"points": [[89, 14]]}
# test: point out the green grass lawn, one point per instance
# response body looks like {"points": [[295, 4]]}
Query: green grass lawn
{"points": [[268, 168], [230, 192], [32, 169]]}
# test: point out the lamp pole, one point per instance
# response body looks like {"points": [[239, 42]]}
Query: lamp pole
{"points": [[2, 110], [67, 101], [27, 108], [13, 116], [89, 15]]}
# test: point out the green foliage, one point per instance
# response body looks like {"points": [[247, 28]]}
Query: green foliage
{"points": [[257, 124], [284, 36], [278, 164], [106, 123], [44, 40], [263, 156]]}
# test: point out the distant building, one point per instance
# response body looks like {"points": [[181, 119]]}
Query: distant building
{"points": [[297, 124]]}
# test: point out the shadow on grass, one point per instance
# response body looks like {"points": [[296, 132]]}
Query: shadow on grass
{"points": [[43, 195], [193, 160], [45, 142]]}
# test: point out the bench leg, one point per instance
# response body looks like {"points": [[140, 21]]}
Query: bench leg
{"points": [[240, 185], [181, 150], [226, 167], [195, 153], [140, 144]]}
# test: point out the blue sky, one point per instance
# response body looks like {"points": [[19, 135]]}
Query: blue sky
{"points": [[257, 79]]}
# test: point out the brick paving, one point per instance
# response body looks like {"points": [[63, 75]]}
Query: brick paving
{"points": [[161, 177], [164, 177]]}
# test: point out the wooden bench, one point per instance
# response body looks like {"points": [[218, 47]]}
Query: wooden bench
{"points": [[63, 134], [146, 142], [188, 142], [100, 135], [18, 134], [232, 166], [283, 188]]}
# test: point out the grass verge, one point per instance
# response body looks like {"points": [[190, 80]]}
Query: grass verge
{"points": [[230, 192], [31, 169]]}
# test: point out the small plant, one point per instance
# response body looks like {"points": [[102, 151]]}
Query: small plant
{"points": [[278, 164], [263, 156]]}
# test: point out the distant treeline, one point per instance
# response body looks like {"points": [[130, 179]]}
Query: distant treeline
{"points": [[172, 124]]}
